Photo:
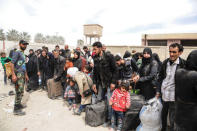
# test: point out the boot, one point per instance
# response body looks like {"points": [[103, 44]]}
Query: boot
{"points": [[18, 111], [22, 106]]}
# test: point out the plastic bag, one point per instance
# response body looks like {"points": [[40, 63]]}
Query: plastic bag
{"points": [[150, 116]]}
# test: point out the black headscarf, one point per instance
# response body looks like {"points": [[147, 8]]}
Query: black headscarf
{"points": [[147, 60], [191, 63], [78, 53], [127, 54]]}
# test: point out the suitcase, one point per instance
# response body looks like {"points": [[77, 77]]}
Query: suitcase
{"points": [[131, 119], [54, 88], [95, 115]]}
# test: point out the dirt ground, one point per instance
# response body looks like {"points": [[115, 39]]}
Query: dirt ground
{"points": [[42, 113]]}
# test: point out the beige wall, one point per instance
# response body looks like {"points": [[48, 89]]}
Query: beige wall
{"points": [[160, 50]]}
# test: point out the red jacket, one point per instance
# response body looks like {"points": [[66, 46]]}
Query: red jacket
{"points": [[120, 100]]}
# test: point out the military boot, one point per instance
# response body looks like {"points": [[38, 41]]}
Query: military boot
{"points": [[18, 111]]}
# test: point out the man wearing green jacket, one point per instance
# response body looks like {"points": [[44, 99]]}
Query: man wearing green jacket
{"points": [[4, 60]]}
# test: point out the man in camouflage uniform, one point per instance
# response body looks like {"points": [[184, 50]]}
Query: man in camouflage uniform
{"points": [[19, 75]]}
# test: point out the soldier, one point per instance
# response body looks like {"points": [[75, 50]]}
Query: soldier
{"points": [[19, 75]]}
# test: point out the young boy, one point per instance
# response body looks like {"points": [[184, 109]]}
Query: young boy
{"points": [[120, 102], [4, 60]]}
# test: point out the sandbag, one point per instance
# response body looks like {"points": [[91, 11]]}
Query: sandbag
{"points": [[54, 88], [150, 116], [95, 115], [131, 119]]}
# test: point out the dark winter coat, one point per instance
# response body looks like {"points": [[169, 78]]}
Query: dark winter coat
{"points": [[32, 70], [105, 71], [127, 69], [162, 73], [59, 68], [147, 72], [46, 66], [32, 65], [186, 95], [67, 53]]}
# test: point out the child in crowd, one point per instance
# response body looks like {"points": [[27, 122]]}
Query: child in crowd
{"points": [[120, 102], [70, 94], [4, 60], [88, 70]]}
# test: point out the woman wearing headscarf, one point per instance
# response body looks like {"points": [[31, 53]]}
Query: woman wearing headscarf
{"points": [[147, 74], [77, 62]]}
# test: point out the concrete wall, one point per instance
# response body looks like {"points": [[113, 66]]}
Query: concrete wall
{"points": [[162, 51]]}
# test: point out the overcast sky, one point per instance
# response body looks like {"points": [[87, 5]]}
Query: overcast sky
{"points": [[124, 21]]}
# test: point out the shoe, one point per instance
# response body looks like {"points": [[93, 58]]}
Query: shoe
{"points": [[77, 113], [106, 124], [111, 129], [20, 106], [19, 112]]}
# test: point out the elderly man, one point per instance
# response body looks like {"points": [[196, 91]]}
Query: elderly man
{"points": [[55, 84]]}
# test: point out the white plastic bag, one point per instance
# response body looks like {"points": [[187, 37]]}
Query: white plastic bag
{"points": [[150, 116]]}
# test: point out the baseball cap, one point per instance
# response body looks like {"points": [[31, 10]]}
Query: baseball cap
{"points": [[23, 42]]}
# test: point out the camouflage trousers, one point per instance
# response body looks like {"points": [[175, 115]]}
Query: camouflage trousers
{"points": [[19, 88]]}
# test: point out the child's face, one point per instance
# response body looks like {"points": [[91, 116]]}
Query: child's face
{"points": [[123, 89], [71, 83], [84, 70], [3, 55]]}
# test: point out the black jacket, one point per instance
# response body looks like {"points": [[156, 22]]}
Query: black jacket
{"points": [[147, 72], [32, 65], [105, 70], [46, 66], [186, 99], [127, 69], [59, 68], [162, 73], [186, 95], [67, 53]]}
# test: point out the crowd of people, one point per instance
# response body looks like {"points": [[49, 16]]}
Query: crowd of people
{"points": [[91, 76]]}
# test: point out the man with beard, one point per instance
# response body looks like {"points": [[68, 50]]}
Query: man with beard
{"points": [[147, 74], [104, 76], [67, 52], [19, 75], [186, 95], [166, 83], [55, 84], [32, 71]]}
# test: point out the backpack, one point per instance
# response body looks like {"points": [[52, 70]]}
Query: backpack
{"points": [[127, 70]]}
